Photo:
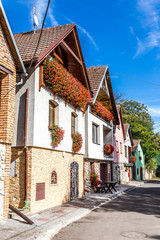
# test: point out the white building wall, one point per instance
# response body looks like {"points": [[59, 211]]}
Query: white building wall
{"points": [[95, 151], [20, 99], [128, 144], [38, 134], [41, 135]]}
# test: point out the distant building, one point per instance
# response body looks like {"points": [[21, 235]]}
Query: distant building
{"points": [[139, 165]]}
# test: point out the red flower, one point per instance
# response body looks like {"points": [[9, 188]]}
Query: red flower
{"points": [[108, 149], [57, 135], [77, 142], [64, 84], [94, 180], [101, 111]]}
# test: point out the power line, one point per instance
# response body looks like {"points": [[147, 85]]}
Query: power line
{"points": [[136, 79], [40, 34]]}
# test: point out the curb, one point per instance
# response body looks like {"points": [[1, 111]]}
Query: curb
{"points": [[52, 232], [49, 230]]}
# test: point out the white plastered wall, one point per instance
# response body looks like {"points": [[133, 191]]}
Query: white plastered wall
{"points": [[41, 135], [95, 151]]}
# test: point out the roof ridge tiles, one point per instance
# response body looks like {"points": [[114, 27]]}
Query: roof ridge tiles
{"points": [[31, 31]]}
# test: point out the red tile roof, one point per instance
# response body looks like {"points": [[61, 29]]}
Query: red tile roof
{"points": [[135, 144], [27, 41], [95, 75]]}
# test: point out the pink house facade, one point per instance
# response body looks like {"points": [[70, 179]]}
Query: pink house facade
{"points": [[119, 151]]}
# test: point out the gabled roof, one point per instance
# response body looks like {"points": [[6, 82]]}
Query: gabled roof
{"points": [[135, 144], [96, 77], [128, 129], [60, 39], [27, 41], [11, 41]]}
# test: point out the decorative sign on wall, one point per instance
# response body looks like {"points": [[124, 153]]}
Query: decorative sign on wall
{"points": [[40, 191]]}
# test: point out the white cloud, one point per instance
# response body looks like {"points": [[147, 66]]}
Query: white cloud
{"points": [[40, 11], [88, 35], [84, 31], [52, 17], [149, 20], [154, 111]]}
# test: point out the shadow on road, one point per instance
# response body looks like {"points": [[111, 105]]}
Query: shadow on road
{"points": [[155, 237], [144, 200]]}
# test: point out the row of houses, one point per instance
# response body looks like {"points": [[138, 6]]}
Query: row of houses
{"points": [[58, 121]]}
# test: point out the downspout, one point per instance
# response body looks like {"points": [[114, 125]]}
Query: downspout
{"points": [[26, 149]]}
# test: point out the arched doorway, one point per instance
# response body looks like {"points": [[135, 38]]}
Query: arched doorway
{"points": [[74, 179]]}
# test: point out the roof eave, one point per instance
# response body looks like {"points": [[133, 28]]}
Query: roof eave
{"points": [[45, 53], [12, 39]]}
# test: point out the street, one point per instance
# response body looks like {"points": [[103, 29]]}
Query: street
{"points": [[134, 215]]}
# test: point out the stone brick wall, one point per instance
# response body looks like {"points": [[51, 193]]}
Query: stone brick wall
{"points": [[41, 164], [2, 176], [7, 104], [119, 174], [17, 183], [87, 172]]}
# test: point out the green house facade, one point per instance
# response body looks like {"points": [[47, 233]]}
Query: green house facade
{"points": [[139, 165]]}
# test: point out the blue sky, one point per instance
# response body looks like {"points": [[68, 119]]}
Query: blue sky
{"points": [[123, 34]]}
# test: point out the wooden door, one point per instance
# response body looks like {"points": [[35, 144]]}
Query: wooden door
{"points": [[103, 170]]}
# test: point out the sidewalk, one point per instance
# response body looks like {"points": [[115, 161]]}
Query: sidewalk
{"points": [[49, 222]]}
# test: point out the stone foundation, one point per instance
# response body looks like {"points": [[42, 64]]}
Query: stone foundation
{"points": [[2, 177], [41, 164], [119, 174]]}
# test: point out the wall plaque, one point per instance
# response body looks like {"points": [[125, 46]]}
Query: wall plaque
{"points": [[40, 191]]}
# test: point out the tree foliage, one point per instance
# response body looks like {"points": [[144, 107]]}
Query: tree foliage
{"points": [[151, 165], [136, 114]]}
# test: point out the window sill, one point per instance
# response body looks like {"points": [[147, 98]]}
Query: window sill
{"points": [[96, 143]]}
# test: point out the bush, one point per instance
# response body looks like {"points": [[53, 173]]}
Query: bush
{"points": [[94, 180]]}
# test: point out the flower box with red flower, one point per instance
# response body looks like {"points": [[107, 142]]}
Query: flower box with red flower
{"points": [[65, 85], [133, 159], [101, 111], [57, 135], [108, 149], [77, 142]]}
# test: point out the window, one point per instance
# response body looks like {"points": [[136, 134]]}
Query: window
{"points": [[121, 148], [52, 112], [95, 133], [137, 171], [54, 177], [126, 150], [73, 122], [117, 148]]}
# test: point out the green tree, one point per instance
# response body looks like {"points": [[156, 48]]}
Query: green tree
{"points": [[151, 165], [136, 114]]}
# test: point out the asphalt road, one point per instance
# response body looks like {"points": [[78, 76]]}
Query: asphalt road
{"points": [[135, 215]]}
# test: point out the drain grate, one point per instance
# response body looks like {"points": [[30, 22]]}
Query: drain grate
{"points": [[134, 235]]}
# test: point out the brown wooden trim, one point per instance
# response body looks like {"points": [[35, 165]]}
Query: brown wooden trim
{"points": [[67, 48], [56, 56], [5, 70], [54, 45], [41, 77]]}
